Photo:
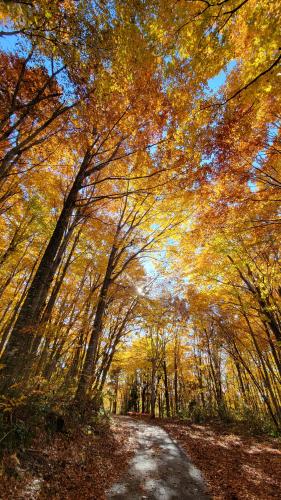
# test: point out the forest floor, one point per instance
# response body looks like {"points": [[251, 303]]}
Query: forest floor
{"points": [[235, 465], [138, 458], [82, 464]]}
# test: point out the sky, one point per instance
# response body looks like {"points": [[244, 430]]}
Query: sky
{"points": [[217, 81]]}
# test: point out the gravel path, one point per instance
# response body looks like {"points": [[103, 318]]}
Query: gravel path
{"points": [[159, 469]]}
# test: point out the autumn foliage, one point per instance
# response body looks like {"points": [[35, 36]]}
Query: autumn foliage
{"points": [[140, 209]]}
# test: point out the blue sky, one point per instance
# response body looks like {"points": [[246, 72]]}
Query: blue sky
{"points": [[217, 81], [9, 43]]}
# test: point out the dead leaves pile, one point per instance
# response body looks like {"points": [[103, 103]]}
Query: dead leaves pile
{"points": [[235, 466], [82, 465]]}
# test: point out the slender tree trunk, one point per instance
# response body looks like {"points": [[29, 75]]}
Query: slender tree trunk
{"points": [[153, 389], [143, 398], [115, 402], [176, 395], [167, 397], [88, 365]]}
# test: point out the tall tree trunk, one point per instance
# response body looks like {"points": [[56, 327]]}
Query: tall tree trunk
{"points": [[153, 388], [89, 363], [167, 397], [176, 395], [115, 402], [17, 350]]}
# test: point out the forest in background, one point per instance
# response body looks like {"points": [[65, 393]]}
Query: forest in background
{"points": [[140, 210]]}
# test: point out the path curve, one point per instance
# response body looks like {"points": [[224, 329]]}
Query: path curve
{"points": [[159, 469]]}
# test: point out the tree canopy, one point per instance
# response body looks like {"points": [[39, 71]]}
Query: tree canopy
{"points": [[140, 206]]}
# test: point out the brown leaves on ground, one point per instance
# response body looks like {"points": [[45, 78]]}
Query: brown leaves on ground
{"points": [[82, 465], [235, 466]]}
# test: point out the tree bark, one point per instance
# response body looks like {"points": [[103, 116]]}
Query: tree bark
{"points": [[167, 397], [28, 320]]}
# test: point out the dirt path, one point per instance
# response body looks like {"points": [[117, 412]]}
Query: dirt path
{"points": [[159, 469]]}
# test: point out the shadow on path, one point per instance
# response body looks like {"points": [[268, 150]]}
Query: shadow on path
{"points": [[159, 470]]}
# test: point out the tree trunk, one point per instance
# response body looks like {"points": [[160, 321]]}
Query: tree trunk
{"points": [[17, 350], [167, 397], [153, 389], [89, 363]]}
